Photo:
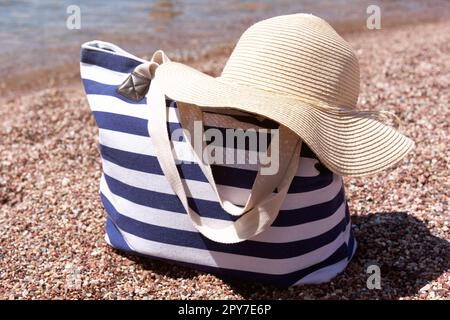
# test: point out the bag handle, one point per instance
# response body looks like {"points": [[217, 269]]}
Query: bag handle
{"points": [[255, 221], [263, 205], [263, 185]]}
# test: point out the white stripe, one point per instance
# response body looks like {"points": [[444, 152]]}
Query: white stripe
{"points": [[183, 151], [202, 190], [305, 199], [302, 231], [234, 261], [107, 239], [109, 48], [168, 219], [324, 274], [142, 145], [125, 142], [155, 182], [105, 103], [102, 75], [154, 216], [327, 273], [306, 168], [114, 105]]}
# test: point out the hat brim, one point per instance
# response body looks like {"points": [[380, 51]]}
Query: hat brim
{"points": [[349, 145]]}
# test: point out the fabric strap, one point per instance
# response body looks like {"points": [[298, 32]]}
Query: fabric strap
{"points": [[263, 185], [262, 206]]}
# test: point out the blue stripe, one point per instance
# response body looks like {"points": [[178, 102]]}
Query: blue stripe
{"points": [[98, 88], [128, 124], [282, 280], [121, 123], [108, 60], [93, 87], [312, 213], [139, 126], [194, 239], [212, 209], [126, 65], [163, 201], [336, 257], [229, 176], [115, 237]]}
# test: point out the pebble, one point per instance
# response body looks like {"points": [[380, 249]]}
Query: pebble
{"points": [[65, 182]]}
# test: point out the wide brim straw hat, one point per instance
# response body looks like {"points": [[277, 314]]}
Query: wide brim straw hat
{"points": [[296, 70]]}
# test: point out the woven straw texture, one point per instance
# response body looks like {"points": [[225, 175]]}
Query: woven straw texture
{"points": [[298, 71]]}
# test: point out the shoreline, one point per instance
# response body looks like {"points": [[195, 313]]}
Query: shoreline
{"points": [[67, 74]]}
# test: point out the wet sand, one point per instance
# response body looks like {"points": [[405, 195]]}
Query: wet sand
{"points": [[51, 218]]}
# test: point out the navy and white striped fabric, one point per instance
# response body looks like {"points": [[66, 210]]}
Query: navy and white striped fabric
{"points": [[310, 241]]}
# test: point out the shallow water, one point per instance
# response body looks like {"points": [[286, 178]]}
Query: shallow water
{"points": [[33, 33]]}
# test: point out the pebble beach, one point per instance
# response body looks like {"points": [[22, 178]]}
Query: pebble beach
{"points": [[51, 219]]}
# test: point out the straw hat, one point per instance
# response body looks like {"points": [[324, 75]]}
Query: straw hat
{"points": [[296, 70]]}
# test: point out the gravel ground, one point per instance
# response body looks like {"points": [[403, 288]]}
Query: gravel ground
{"points": [[51, 219]]}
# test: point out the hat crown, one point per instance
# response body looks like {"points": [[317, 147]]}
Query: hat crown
{"points": [[299, 55]]}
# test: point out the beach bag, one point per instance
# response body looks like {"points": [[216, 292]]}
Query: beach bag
{"points": [[300, 234]]}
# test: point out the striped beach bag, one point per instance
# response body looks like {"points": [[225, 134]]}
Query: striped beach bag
{"points": [[306, 237]]}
